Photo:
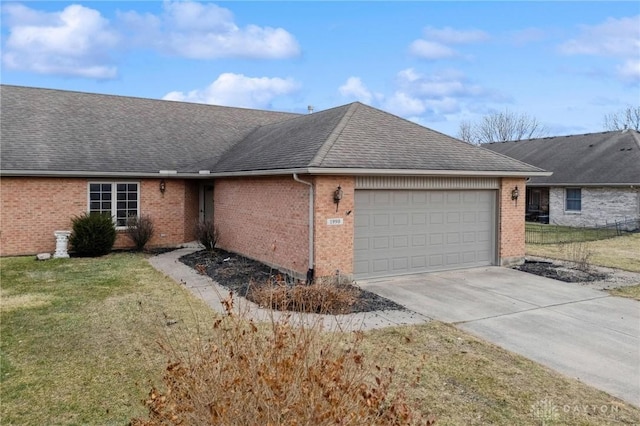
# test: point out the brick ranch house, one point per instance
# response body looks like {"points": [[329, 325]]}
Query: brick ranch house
{"points": [[410, 199], [596, 177]]}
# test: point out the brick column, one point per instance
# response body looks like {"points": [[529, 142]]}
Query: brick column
{"points": [[511, 227], [334, 240]]}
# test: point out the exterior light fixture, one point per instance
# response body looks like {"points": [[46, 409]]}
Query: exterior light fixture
{"points": [[163, 186], [337, 196], [515, 194]]}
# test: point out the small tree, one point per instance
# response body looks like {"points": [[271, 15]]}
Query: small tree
{"points": [[140, 230], [92, 234], [207, 234], [628, 118], [501, 127]]}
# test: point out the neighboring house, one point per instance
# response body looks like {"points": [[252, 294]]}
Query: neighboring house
{"points": [[350, 190], [596, 177]]}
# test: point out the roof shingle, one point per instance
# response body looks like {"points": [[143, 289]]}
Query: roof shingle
{"points": [[58, 131], [611, 158]]}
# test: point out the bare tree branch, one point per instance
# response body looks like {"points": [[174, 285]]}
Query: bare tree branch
{"points": [[501, 127], [628, 118]]}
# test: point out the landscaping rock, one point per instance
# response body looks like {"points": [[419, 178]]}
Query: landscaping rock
{"points": [[43, 256]]}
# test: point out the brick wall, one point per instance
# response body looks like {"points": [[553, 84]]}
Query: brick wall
{"points": [[264, 219], [33, 208], [334, 243], [511, 246], [599, 205]]}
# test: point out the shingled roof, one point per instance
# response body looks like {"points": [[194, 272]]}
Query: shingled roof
{"points": [[607, 158], [51, 131], [54, 130]]}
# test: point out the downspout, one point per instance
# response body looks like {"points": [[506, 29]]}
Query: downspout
{"points": [[311, 228]]}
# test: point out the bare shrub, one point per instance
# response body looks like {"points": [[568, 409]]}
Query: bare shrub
{"points": [[579, 254], [275, 373], [207, 234], [140, 230], [321, 297]]}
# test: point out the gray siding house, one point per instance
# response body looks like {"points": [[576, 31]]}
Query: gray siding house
{"points": [[596, 177]]}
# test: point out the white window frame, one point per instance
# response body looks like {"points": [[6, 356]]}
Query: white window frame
{"points": [[114, 199], [566, 200]]}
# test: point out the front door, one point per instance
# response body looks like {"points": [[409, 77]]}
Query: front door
{"points": [[206, 201]]}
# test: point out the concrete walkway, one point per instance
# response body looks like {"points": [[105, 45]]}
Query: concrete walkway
{"points": [[584, 333]]}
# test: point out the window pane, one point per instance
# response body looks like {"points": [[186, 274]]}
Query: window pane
{"points": [[574, 199], [106, 187], [133, 187], [94, 206], [94, 187], [132, 205], [94, 196], [106, 196], [106, 205], [121, 222], [122, 187]]}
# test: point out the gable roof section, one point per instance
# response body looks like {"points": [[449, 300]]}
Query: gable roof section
{"points": [[607, 158], [57, 132], [356, 137], [61, 131]]}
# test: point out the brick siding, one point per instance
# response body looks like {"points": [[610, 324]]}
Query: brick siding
{"points": [[33, 208], [511, 247], [265, 219], [334, 243]]}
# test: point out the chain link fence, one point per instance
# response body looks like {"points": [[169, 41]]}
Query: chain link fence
{"points": [[536, 233]]}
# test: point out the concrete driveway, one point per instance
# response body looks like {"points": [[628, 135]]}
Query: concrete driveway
{"points": [[585, 334]]}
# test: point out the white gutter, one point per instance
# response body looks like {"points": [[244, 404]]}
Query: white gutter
{"points": [[311, 227], [280, 172]]}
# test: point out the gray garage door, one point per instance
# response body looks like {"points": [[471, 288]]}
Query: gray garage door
{"points": [[410, 231]]}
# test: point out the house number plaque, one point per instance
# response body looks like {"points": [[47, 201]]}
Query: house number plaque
{"points": [[335, 221]]}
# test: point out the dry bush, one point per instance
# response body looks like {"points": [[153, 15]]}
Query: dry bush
{"points": [[207, 234], [579, 254], [140, 230], [320, 298], [276, 374]]}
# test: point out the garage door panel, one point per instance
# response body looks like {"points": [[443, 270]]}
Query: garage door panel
{"points": [[400, 241], [436, 218], [418, 240], [410, 231]]}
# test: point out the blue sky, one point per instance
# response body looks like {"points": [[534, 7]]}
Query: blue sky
{"points": [[437, 63]]}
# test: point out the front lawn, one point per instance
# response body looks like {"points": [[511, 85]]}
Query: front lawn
{"points": [[620, 252], [79, 345]]}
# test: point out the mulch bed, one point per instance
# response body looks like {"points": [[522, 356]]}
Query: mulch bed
{"points": [[560, 272], [237, 273]]}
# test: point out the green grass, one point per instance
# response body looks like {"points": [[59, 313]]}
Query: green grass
{"points": [[632, 292], [79, 346], [78, 342]]}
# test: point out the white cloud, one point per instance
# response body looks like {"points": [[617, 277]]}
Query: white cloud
{"points": [[436, 42], [354, 88], [630, 71], [404, 105], [431, 50], [206, 31], [416, 95], [618, 38], [73, 42], [239, 91], [447, 83], [614, 37]]}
